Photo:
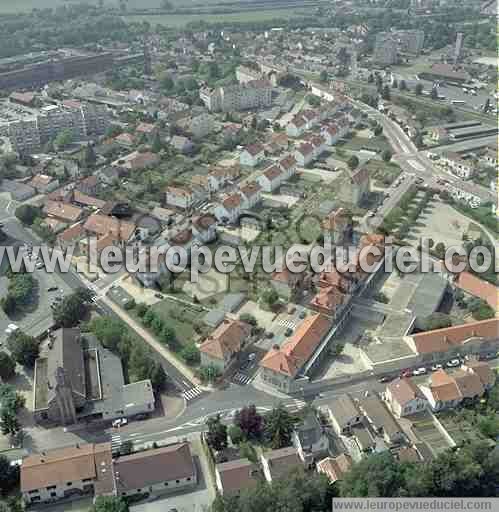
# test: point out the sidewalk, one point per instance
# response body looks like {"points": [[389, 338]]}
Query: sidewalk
{"points": [[153, 343]]}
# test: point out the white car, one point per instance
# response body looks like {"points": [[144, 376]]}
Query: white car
{"points": [[419, 371], [436, 367], [120, 422], [453, 363]]}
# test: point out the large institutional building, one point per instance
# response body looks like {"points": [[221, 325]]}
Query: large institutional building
{"points": [[252, 94]]}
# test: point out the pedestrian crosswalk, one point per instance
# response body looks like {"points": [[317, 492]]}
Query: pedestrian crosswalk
{"points": [[241, 378], [296, 404], [192, 393], [115, 442], [289, 324]]}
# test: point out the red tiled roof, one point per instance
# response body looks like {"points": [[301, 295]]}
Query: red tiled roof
{"points": [[299, 348], [254, 149], [441, 340], [272, 173], [227, 338], [479, 288]]}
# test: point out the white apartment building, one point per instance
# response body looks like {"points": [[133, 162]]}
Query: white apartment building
{"points": [[460, 167], [250, 95]]}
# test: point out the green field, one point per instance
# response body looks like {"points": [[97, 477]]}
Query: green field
{"points": [[179, 20]]}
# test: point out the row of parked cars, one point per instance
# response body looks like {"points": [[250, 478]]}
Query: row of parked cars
{"points": [[453, 363]]}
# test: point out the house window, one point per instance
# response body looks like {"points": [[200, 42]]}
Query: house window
{"points": [[166, 484], [87, 479], [53, 494], [188, 478], [69, 484], [178, 481], [35, 498], [50, 487], [33, 491]]}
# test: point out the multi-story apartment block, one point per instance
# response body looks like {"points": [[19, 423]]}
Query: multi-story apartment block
{"points": [[253, 94], [30, 134], [385, 49]]}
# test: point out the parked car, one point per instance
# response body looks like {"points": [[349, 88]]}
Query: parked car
{"points": [[120, 422], [252, 357], [406, 373], [419, 371], [386, 378], [436, 367], [288, 332], [52, 289], [453, 363]]}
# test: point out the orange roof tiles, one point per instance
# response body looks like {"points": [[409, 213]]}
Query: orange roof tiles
{"points": [[227, 338], [299, 348], [479, 288]]}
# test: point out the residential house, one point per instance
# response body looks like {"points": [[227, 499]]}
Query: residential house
{"points": [[108, 231], [110, 174], [197, 125], [490, 156], [343, 281], [483, 370], [137, 161], [330, 133], [355, 186], [442, 391], [310, 440], [179, 197], [381, 419], [335, 468], [182, 144], [204, 228], [86, 201], [469, 384], [282, 364], [458, 165], [68, 472], [235, 476], [318, 143], [71, 236], [224, 344], [443, 344], [344, 414], [250, 194], [156, 471], [63, 211], [304, 154], [43, 184], [229, 209], [404, 397], [146, 130], [278, 464], [88, 185], [271, 178], [297, 126], [329, 300], [288, 166], [125, 139], [252, 155]]}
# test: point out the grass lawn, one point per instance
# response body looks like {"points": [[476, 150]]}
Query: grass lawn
{"points": [[179, 317], [180, 20], [382, 172], [458, 428], [356, 143]]}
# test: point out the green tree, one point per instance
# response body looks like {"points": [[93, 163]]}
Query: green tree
{"points": [[386, 155], [109, 504], [157, 146], [190, 353], [250, 422], [418, 89], [9, 476], [353, 162], [73, 308], [378, 130], [279, 426], [63, 139], [236, 434], [27, 214], [126, 447], [7, 366], [434, 321], [249, 319], [216, 437], [323, 76], [10, 399], [89, 157], [158, 377], [402, 85], [23, 348], [108, 330], [9, 423]]}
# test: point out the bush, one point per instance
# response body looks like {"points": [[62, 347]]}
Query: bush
{"points": [[190, 354], [130, 304], [24, 349]]}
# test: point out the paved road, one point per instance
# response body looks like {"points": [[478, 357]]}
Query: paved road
{"points": [[416, 162]]}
